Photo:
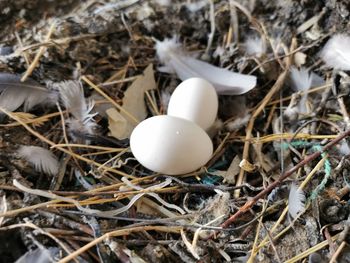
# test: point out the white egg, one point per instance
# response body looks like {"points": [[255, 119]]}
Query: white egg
{"points": [[170, 145], [195, 99]]}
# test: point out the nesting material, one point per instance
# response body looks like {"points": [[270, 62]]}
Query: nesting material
{"points": [[72, 97], [296, 201], [176, 60], [336, 52], [42, 159], [255, 46], [14, 93], [301, 81], [120, 125]]}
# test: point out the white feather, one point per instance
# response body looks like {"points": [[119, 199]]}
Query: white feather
{"points": [[344, 148], [43, 160], [301, 81], [255, 46], [238, 123], [296, 201], [226, 82], [336, 52], [14, 93], [72, 97]]}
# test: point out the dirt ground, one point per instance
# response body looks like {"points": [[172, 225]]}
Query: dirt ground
{"points": [[82, 196]]}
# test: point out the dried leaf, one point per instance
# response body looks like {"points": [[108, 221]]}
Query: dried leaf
{"points": [[247, 166], [133, 102], [117, 124], [232, 171]]}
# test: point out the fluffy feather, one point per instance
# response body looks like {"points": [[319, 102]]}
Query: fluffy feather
{"points": [[176, 61], [72, 97], [40, 255], [42, 160], [344, 148], [255, 46], [336, 52], [296, 201], [301, 81], [14, 93]]}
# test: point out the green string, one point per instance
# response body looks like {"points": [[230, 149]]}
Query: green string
{"points": [[327, 164]]}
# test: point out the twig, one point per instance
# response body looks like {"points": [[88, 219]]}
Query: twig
{"points": [[311, 250], [39, 54], [25, 55], [337, 252], [274, 89], [212, 26], [44, 139], [116, 233], [31, 225], [234, 23], [284, 176]]}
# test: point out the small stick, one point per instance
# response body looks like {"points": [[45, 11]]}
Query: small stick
{"points": [[39, 54], [278, 84], [51, 143], [337, 253], [116, 233], [307, 159], [25, 55]]}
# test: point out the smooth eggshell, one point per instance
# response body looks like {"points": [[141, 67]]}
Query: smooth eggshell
{"points": [[170, 145], [195, 99]]}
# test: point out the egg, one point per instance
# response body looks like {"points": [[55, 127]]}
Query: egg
{"points": [[170, 145], [195, 99]]}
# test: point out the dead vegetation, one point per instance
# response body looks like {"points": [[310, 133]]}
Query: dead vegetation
{"points": [[77, 76]]}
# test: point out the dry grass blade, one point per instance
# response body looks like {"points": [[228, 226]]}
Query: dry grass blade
{"points": [[95, 87], [116, 233], [42, 138], [311, 250], [39, 54]]}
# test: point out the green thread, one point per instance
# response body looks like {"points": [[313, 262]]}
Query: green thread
{"points": [[327, 170], [327, 164]]}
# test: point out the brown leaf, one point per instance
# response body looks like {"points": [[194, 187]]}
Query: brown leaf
{"points": [[133, 102]]}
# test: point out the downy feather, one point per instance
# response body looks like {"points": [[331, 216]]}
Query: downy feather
{"points": [[42, 159], [72, 97], [14, 93], [344, 148], [301, 81], [296, 201], [176, 61], [255, 46], [336, 52]]}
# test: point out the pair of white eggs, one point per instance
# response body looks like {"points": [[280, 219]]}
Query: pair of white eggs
{"points": [[177, 143]]}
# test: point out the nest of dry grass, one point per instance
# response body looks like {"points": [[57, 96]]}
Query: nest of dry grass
{"points": [[70, 187]]}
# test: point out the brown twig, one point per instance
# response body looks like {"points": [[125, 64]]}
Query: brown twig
{"points": [[285, 175], [39, 54]]}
